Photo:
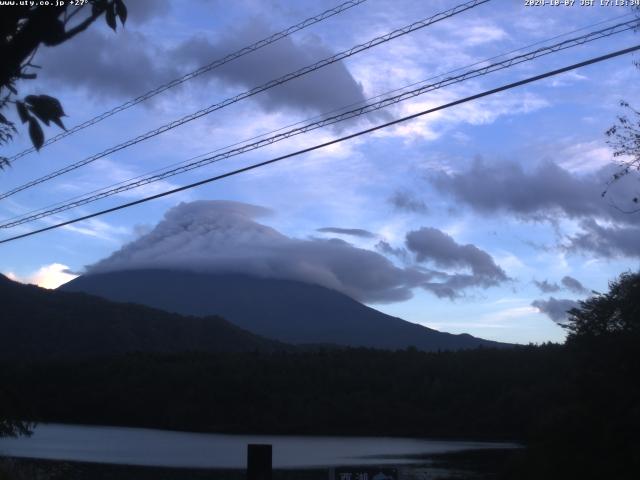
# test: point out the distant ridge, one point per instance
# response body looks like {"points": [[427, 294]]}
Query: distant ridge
{"points": [[285, 310], [39, 323]]}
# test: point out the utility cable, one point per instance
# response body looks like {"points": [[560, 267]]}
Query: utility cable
{"points": [[332, 142], [204, 69], [366, 109], [254, 91]]}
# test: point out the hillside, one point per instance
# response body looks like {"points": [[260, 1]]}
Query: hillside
{"points": [[285, 310], [37, 323]]}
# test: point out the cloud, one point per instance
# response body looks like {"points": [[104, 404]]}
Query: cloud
{"points": [[223, 237], [540, 194], [356, 232], [479, 34], [97, 63], [407, 201], [573, 285], [387, 249], [431, 244], [49, 276], [94, 227], [142, 11], [555, 308], [567, 282], [138, 12], [568, 79], [481, 112], [330, 87], [549, 192], [11, 276], [585, 156], [546, 287], [606, 241]]}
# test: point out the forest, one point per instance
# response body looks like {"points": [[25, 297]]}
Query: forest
{"points": [[575, 406]]}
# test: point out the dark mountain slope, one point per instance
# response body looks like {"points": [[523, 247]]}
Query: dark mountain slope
{"points": [[285, 310], [35, 322]]}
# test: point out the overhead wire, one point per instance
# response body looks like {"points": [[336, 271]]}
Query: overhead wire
{"points": [[188, 76], [325, 114], [254, 91], [367, 108], [493, 91]]}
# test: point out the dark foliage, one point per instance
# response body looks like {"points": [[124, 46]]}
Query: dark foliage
{"points": [[484, 393], [47, 324], [615, 313], [23, 28], [577, 410], [576, 406], [624, 138]]}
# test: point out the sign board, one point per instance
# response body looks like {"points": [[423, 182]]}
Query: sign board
{"points": [[259, 461], [364, 473]]}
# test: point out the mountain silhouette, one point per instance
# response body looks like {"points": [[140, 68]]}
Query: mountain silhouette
{"points": [[285, 310], [39, 323]]}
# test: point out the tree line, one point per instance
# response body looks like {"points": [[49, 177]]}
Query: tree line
{"points": [[576, 406]]}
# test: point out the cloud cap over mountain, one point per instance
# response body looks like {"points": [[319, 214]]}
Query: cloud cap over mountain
{"points": [[224, 237]]}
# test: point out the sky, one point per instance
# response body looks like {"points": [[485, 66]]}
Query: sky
{"points": [[485, 218]]}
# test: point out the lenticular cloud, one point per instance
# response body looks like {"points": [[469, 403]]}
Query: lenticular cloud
{"points": [[225, 237]]}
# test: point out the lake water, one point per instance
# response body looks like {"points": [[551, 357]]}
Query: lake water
{"points": [[137, 446]]}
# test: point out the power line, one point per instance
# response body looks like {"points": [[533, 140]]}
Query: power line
{"points": [[368, 108], [322, 115], [50, 209], [204, 69], [254, 91], [332, 142], [124, 186]]}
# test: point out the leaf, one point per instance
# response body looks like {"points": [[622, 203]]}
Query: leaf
{"points": [[97, 7], [46, 108], [23, 112], [46, 103], [58, 122], [121, 10], [53, 32], [36, 134], [110, 16]]}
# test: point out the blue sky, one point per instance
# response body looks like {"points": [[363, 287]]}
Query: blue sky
{"points": [[502, 192]]}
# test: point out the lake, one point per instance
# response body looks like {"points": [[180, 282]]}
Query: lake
{"points": [[138, 446]]}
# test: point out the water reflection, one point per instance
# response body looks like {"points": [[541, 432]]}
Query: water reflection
{"points": [[136, 446]]}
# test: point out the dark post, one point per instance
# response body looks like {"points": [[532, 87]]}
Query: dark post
{"points": [[259, 462]]}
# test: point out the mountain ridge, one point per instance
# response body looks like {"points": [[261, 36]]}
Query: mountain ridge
{"points": [[41, 323], [285, 310]]}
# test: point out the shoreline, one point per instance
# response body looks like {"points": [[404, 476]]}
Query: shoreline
{"points": [[473, 464], [502, 441]]}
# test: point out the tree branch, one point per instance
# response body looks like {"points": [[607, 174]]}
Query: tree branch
{"points": [[82, 26]]}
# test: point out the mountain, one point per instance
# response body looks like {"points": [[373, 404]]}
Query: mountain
{"points": [[285, 310], [39, 323]]}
